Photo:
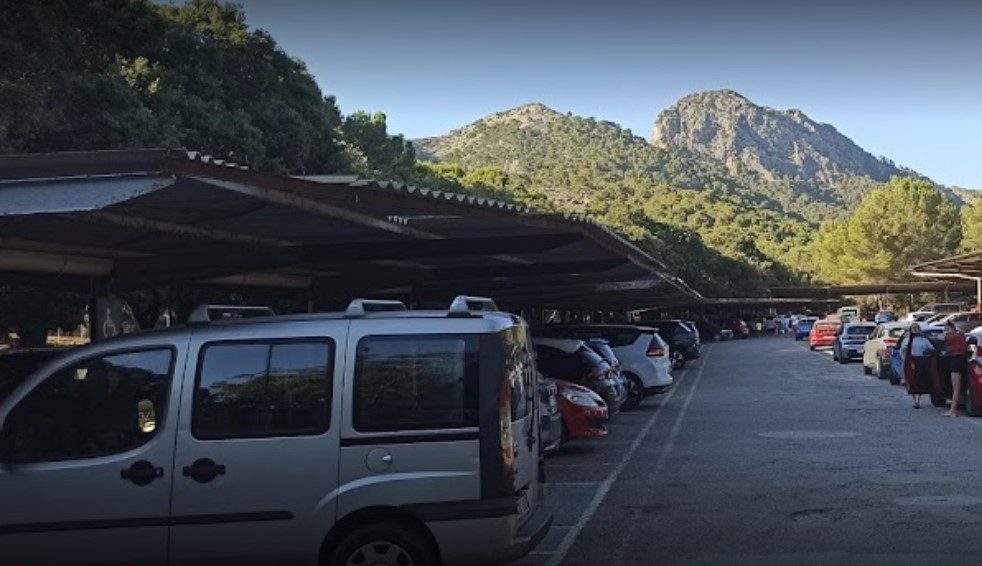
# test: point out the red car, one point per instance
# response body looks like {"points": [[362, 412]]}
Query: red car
{"points": [[822, 334], [739, 328], [584, 412]]}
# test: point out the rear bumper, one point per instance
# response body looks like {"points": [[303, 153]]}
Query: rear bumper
{"points": [[852, 352]]}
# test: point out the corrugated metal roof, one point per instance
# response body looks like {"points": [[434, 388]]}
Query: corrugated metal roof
{"points": [[316, 218]]}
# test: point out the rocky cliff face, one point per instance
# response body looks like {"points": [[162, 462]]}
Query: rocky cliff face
{"points": [[726, 127]]}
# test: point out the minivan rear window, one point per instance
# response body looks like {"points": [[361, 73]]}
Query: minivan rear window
{"points": [[413, 382]]}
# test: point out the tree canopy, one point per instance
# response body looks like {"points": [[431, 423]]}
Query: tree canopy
{"points": [[110, 74], [972, 227], [906, 222]]}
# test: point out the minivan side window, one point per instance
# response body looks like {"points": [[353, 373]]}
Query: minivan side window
{"points": [[263, 389], [413, 382], [96, 407]]}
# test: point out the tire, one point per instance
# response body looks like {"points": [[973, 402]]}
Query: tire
{"points": [[678, 360], [937, 400], [812, 348], [563, 431], [843, 361], [388, 543], [867, 370], [635, 392], [879, 371], [835, 355], [894, 379], [972, 407]]}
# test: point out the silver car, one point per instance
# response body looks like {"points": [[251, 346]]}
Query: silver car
{"points": [[363, 437]]}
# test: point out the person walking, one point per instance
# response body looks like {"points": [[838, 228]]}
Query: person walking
{"points": [[956, 347], [919, 364]]}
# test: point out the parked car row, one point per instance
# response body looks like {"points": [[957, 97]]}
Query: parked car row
{"points": [[878, 346], [600, 369]]}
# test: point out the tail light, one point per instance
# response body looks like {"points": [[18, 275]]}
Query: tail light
{"points": [[655, 349], [504, 424], [889, 342]]}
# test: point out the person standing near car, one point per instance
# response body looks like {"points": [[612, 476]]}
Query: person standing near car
{"points": [[956, 346], [919, 364]]}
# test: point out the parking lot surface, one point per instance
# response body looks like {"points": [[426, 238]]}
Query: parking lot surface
{"points": [[767, 453]]}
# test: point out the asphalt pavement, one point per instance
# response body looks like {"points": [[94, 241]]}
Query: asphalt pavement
{"points": [[768, 453]]}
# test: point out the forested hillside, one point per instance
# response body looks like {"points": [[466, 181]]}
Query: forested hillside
{"points": [[683, 205], [104, 74]]}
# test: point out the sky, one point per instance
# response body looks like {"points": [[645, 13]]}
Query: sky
{"points": [[901, 78]]}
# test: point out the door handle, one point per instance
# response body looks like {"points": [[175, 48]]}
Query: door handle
{"points": [[203, 470], [141, 472]]}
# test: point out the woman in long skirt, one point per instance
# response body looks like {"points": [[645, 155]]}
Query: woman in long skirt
{"points": [[919, 364]]}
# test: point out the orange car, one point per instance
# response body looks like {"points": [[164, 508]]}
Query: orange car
{"points": [[822, 334]]}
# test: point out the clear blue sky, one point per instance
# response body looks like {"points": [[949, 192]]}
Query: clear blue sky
{"points": [[901, 78]]}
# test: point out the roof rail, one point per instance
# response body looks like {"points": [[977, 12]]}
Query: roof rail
{"points": [[203, 314], [464, 305], [359, 307]]}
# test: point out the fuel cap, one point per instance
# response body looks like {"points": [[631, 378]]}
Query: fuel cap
{"points": [[378, 460]]}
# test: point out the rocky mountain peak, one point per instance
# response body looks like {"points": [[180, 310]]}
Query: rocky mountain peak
{"points": [[725, 126]]}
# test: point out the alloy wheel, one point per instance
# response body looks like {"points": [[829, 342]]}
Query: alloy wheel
{"points": [[380, 553]]}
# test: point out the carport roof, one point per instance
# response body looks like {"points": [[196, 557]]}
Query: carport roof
{"points": [[143, 218], [969, 265]]}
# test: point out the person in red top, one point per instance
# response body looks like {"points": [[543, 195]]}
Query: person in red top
{"points": [[956, 346]]}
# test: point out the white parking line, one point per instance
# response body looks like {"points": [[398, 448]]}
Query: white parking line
{"points": [[618, 557], [570, 537]]}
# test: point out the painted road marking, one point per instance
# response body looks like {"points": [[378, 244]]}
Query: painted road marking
{"points": [[570, 537], [618, 557]]}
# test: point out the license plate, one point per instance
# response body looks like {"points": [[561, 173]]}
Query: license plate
{"points": [[523, 505]]}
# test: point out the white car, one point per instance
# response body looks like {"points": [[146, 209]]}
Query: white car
{"points": [[963, 321], [645, 356], [879, 345]]}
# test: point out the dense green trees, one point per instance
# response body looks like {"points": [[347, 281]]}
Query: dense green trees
{"points": [[972, 227], [905, 222], [105, 74]]}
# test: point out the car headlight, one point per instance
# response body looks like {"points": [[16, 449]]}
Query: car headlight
{"points": [[578, 398]]}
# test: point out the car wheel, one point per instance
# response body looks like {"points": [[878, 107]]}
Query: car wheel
{"points": [[635, 392], [385, 544], [843, 360], [867, 370], [563, 431], [678, 360], [894, 379], [812, 348], [937, 400], [835, 355], [878, 369]]}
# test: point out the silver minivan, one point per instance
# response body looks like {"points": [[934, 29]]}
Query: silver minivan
{"points": [[373, 436]]}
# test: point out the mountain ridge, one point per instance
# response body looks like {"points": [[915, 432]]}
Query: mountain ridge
{"points": [[727, 127]]}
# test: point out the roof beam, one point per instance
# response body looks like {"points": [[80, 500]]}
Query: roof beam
{"points": [[183, 229], [297, 202], [416, 249]]}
